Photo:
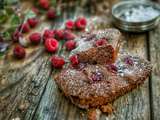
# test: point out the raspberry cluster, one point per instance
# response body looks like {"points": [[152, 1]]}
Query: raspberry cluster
{"points": [[35, 38], [50, 37], [79, 24]]}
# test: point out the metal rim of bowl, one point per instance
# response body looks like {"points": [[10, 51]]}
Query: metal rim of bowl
{"points": [[141, 28], [135, 26]]}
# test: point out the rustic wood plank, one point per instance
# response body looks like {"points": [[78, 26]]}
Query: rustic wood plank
{"points": [[15, 100], [154, 42], [35, 96]]}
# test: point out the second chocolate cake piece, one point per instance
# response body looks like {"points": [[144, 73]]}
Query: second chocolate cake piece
{"points": [[93, 86], [99, 47]]}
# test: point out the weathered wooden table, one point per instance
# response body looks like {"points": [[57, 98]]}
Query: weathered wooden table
{"points": [[28, 91]]}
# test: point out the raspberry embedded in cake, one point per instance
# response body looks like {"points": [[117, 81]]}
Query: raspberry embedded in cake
{"points": [[128, 60], [100, 42], [74, 60], [97, 76], [112, 68]]}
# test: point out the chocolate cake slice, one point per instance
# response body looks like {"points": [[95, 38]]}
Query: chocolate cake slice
{"points": [[94, 86], [99, 47]]}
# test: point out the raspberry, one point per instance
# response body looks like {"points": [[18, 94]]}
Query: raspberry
{"points": [[70, 45], [100, 42], [69, 25], [81, 23], [44, 4], [59, 34], [112, 68], [35, 38], [74, 60], [68, 35], [129, 61], [48, 34], [25, 27], [57, 62], [19, 52], [33, 22], [16, 35], [51, 14], [97, 76], [51, 45]]}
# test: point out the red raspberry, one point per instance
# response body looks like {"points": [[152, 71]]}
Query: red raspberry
{"points": [[129, 61], [35, 10], [81, 23], [19, 52], [59, 34], [57, 62], [44, 4], [51, 13], [33, 22], [48, 34], [24, 27], [69, 25], [68, 35], [97, 76], [100, 42], [70, 45], [16, 35], [74, 60], [51, 45], [112, 68], [35, 38]]}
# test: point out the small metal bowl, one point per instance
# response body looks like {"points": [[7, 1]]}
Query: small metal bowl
{"points": [[134, 26]]}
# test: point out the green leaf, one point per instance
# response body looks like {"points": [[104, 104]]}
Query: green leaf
{"points": [[15, 20], [58, 11], [11, 29], [29, 14], [1, 55], [6, 35], [10, 2], [9, 10], [3, 16], [53, 2]]}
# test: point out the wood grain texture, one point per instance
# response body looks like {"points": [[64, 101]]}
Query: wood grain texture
{"points": [[30, 93], [154, 42]]}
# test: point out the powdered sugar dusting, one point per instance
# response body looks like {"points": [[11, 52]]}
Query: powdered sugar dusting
{"points": [[87, 41]]}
